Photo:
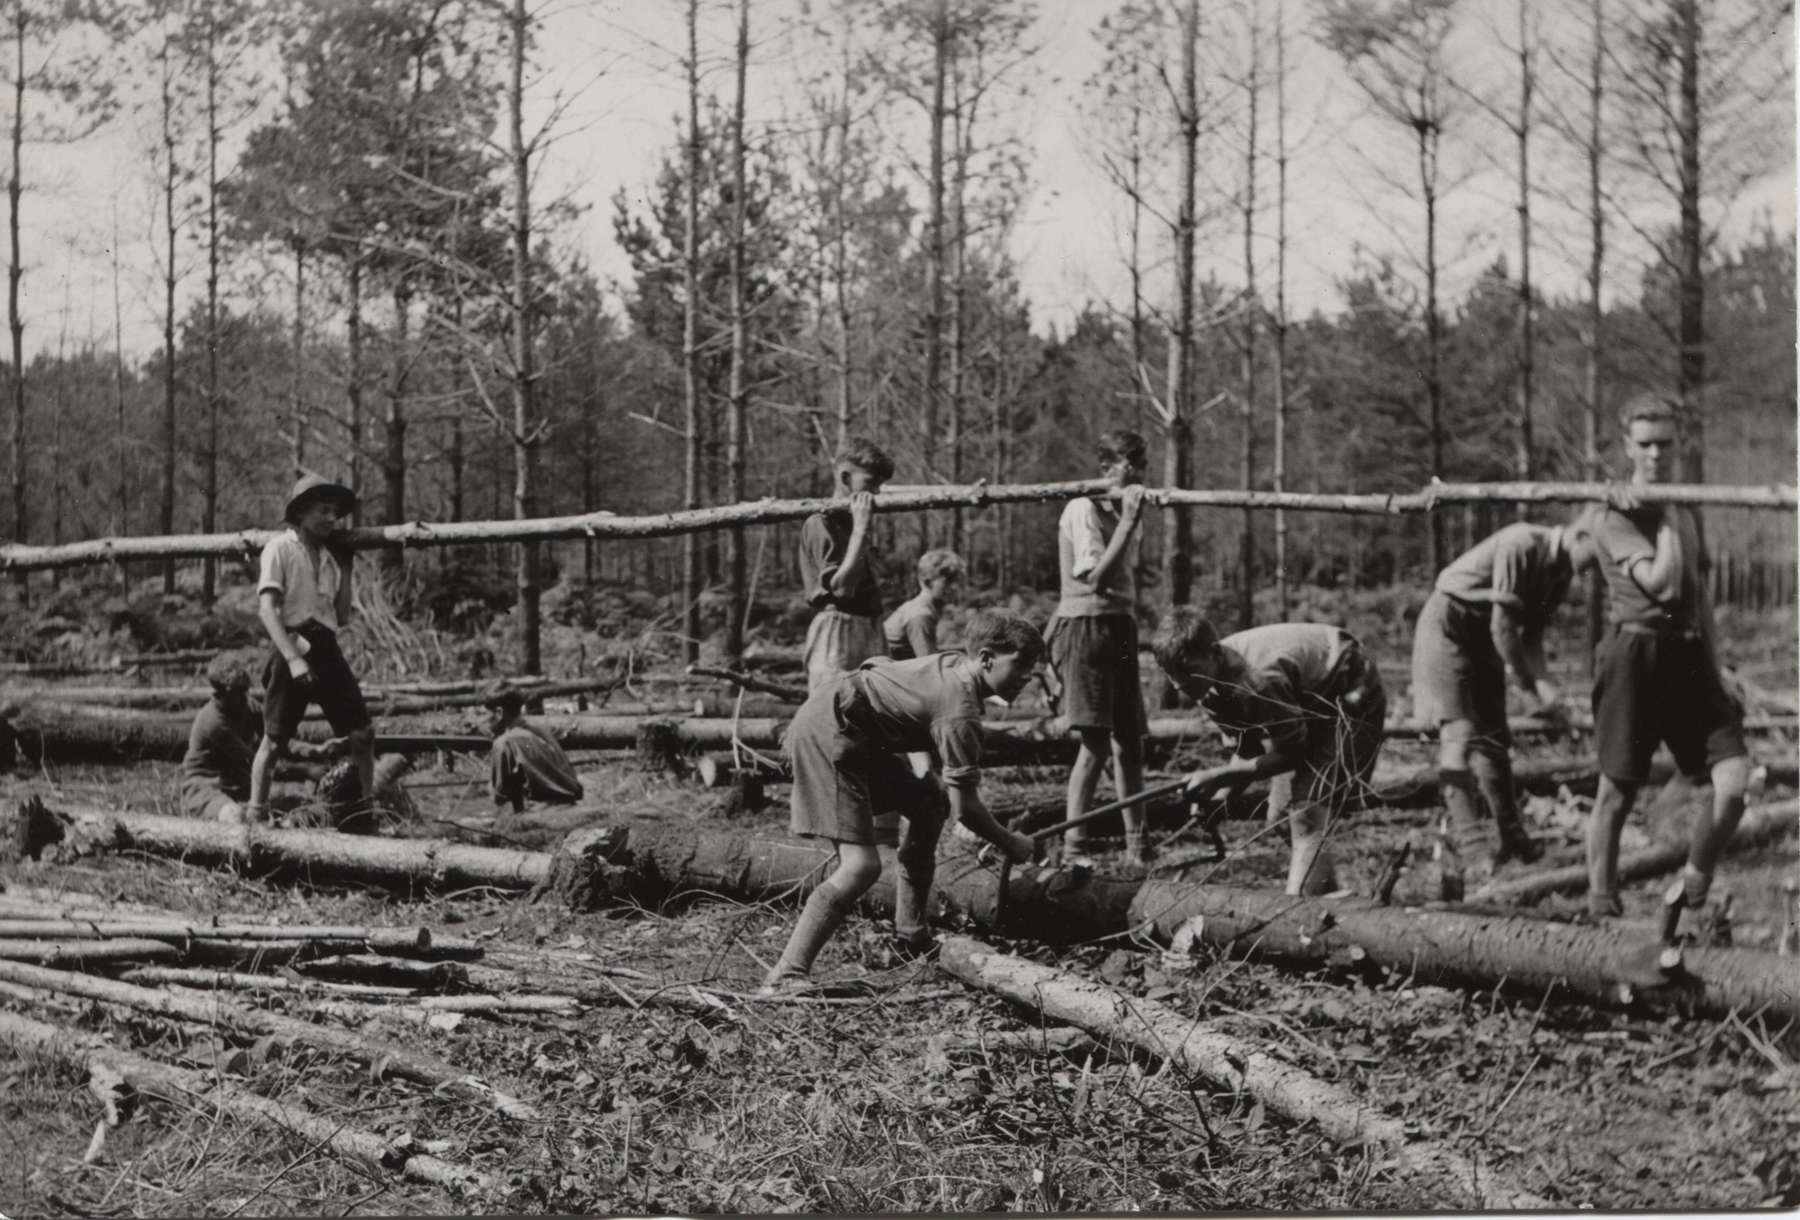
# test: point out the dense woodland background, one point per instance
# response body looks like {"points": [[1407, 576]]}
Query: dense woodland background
{"points": [[361, 274]]}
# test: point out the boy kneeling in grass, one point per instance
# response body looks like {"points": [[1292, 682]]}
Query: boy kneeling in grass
{"points": [[1308, 705], [848, 745]]}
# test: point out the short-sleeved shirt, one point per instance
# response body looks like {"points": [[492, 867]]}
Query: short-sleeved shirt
{"points": [[927, 704], [1082, 534], [1625, 538], [1522, 567], [911, 630], [824, 537], [308, 590], [524, 750], [221, 746], [1289, 669]]}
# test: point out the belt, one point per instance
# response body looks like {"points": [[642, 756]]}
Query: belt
{"points": [[1667, 630]]}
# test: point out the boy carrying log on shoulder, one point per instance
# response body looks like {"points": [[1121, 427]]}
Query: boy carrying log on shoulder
{"points": [[911, 630], [848, 745], [303, 595], [1308, 706], [1093, 639], [1657, 679], [1485, 619], [837, 552]]}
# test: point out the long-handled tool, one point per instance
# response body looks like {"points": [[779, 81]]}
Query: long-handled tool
{"points": [[1038, 836]]}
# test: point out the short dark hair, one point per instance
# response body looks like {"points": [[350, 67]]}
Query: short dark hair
{"points": [[940, 562], [1186, 631], [228, 671], [1003, 631], [502, 696], [1123, 443], [1652, 407], [865, 454]]}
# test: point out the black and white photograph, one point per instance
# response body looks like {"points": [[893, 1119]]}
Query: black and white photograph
{"points": [[826, 607]]}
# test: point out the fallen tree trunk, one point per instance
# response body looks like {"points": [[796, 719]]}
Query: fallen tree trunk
{"points": [[201, 978], [1443, 1176], [187, 1089], [44, 734], [1606, 965], [384, 1058], [399, 940], [87, 952], [1759, 826], [381, 702]]}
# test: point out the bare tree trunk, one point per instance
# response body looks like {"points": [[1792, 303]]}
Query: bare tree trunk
{"points": [[1278, 476], [1434, 327], [737, 560], [302, 417], [118, 363], [690, 345], [167, 519], [1596, 588], [1523, 463], [1178, 548], [15, 271], [1252, 307], [393, 453], [962, 127], [524, 379], [209, 507], [353, 388], [935, 256], [1691, 281]]}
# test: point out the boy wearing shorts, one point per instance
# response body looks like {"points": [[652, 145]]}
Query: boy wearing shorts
{"points": [[215, 771], [303, 595], [836, 566], [1657, 680], [848, 745], [1307, 705], [1094, 639]]}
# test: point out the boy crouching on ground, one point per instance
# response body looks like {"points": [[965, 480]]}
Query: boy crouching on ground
{"points": [[847, 746], [1308, 705]]}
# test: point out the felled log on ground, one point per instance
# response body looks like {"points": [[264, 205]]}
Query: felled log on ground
{"points": [[1441, 1175], [1759, 826], [383, 1057], [112, 1072], [1605, 965], [91, 735]]}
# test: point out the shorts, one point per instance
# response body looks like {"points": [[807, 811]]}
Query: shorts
{"points": [[841, 782], [837, 643], [1096, 660], [203, 800], [1661, 686], [1342, 741], [332, 686], [1457, 673]]}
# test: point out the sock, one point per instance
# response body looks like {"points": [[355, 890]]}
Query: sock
{"points": [[825, 910], [1493, 776]]}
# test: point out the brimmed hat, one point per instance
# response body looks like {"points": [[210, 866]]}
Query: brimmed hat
{"points": [[501, 694], [315, 487]]}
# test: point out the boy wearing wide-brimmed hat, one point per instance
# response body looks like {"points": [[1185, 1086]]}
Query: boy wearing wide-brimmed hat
{"points": [[303, 596]]}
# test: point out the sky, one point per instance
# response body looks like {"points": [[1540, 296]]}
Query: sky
{"points": [[614, 64]]}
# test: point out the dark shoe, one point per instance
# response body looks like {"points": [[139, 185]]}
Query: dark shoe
{"points": [[1673, 904], [1602, 907], [1517, 845]]}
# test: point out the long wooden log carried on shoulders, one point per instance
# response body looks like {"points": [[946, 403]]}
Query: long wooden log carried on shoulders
{"points": [[246, 543], [111, 1072], [1442, 1174]]}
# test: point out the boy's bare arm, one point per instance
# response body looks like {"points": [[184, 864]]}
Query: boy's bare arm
{"points": [[1239, 771], [1659, 575], [856, 552], [268, 610], [967, 808], [1522, 649], [1131, 509]]}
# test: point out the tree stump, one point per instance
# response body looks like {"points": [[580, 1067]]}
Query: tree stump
{"points": [[659, 746]]}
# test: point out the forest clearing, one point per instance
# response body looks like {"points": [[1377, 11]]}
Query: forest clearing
{"points": [[899, 606]]}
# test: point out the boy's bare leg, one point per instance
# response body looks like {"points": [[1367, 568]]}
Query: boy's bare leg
{"points": [[1084, 777], [1310, 869], [262, 778], [1492, 768], [859, 864], [917, 857], [1128, 779], [1465, 838], [1730, 779], [1612, 805]]}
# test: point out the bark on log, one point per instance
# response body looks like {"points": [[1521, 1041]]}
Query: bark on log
{"points": [[1442, 1176], [91, 735], [188, 1089], [1759, 826], [247, 543], [87, 952], [400, 940], [782, 690], [201, 978], [381, 702], [1596, 965], [385, 1058]]}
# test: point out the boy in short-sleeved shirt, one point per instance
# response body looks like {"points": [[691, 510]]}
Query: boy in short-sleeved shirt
{"points": [[1485, 617], [1307, 705], [911, 630], [1094, 640], [303, 596], [1657, 680], [847, 746], [837, 566], [215, 770]]}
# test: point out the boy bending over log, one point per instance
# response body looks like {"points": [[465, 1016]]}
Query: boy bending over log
{"points": [[847, 745], [1657, 679], [1307, 705], [1485, 619], [1094, 640], [215, 771], [524, 761], [302, 597]]}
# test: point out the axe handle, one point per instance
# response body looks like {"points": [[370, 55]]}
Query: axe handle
{"points": [[1136, 798]]}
